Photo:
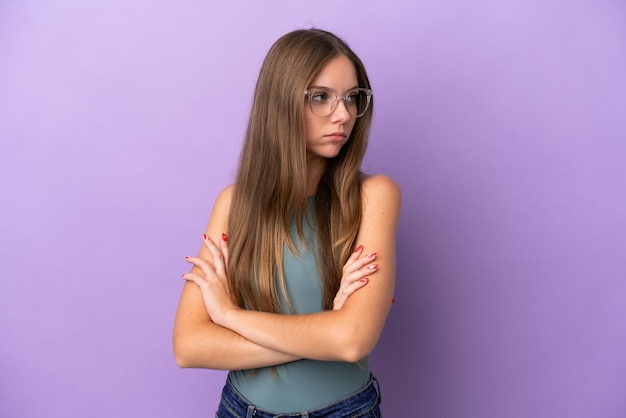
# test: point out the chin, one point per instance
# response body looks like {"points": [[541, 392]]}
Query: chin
{"points": [[328, 152], [327, 156]]}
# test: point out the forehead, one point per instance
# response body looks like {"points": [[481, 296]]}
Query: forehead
{"points": [[338, 73]]}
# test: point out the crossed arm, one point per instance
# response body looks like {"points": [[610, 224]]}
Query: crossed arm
{"points": [[211, 332]]}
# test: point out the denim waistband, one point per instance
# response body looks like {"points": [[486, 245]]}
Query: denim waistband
{"points": [[356, 404]]}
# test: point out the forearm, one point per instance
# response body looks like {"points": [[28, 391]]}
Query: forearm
{"points": [[214, 347], [327, 336], [200, 343]]}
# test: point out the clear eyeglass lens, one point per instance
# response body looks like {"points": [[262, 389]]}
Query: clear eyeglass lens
{"points": [[324, 102]]}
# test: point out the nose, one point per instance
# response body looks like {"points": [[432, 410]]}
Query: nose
{"points": [[341, 112]]}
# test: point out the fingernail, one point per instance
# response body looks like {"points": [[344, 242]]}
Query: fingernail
{"points": [[359, 248], [204, 236], [224, 238], [373, 266], [393, 301], [364, 280], [372, 255], [186, 257]]}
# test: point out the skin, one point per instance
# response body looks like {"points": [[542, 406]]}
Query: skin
{"points": [[321, 143], [212, 332]]}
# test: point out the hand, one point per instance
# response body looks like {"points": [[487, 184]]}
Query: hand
{"points": [[355, 275], [213, 281]]}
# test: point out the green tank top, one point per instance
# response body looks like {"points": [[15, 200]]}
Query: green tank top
{"points": [[301, 385]]}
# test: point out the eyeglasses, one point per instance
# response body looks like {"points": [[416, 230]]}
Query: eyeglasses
{"points": [[324, 101]]}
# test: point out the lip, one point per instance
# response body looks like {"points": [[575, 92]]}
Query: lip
{"points": [[336, 136]]}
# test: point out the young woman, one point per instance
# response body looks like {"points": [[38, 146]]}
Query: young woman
{"points": [[295, 277]]}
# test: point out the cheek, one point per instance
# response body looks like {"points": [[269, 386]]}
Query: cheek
{"points": [[310, 127], [350, 126]]}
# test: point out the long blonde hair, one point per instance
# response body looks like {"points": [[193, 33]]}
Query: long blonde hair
{"points": [[270, 187]]}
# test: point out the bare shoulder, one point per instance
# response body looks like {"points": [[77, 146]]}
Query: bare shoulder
{"points": [[221, 209], [381, 191], [225, 196], [223, 199]]}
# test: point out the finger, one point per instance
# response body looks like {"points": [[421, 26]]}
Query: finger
{"points": [[354, 286], [194, 278], [366, 262], [353, 258], [359, 256], [224, 247], [350, 288], [360, 268], [217, 256], [199, 262], [356, 253], [208, 242], [347, 291], [354, 281], [205, 266]]}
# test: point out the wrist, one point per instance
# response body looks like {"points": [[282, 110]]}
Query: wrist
{"points": [[225, 317]]}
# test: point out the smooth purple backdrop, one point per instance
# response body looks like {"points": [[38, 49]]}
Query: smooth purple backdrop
{"points": [[503, 122]]}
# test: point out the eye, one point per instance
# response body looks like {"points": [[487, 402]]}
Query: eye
{"points": [[319, 97], [352, 97]]}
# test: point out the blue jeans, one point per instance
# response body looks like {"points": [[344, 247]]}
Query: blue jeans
{"points": [[361, 404]]}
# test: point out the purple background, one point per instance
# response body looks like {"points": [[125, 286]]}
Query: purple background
{"points": [[503, 122]]}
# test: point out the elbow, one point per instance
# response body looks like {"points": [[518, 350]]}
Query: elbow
{"points": [[354, 348], [181, 354], [190, 352], [354, 354], [352, 357], [182, 361]]}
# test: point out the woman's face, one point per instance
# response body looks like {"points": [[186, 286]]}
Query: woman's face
{"points": [[326, 135]]}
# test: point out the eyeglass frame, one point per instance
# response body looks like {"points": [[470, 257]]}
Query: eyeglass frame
{"points": [[335, 103]]}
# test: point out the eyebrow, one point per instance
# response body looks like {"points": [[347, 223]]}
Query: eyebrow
{"points": [[330, 88]]}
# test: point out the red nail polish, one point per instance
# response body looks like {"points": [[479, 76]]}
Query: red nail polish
{"points": [[359, 248], [186, 257], [372, 255], [224, 238], [364, 280], [393, 301], [373, 267], [204, 236]]}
